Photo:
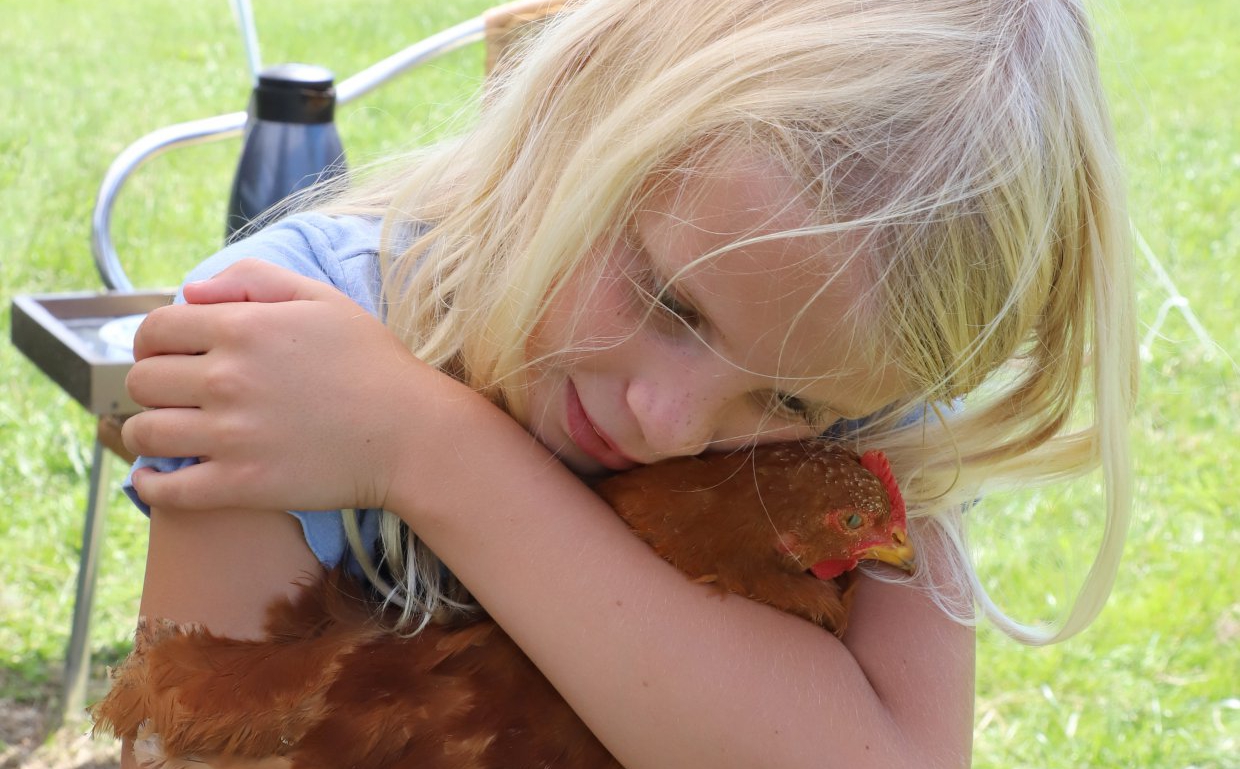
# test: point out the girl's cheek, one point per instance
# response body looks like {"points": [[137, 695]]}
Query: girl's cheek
{"points": [[584, 314], [598, 308]]}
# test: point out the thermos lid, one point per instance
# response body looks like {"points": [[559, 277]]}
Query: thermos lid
{"points": [[295, 93]]}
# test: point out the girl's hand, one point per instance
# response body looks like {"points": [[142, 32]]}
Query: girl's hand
{"points": [[281, 385]]}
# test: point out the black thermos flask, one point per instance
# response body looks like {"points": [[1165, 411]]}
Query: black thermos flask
{"points": [[290, 141]]}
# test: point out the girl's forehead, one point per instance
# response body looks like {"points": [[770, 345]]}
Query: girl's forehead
{"points": [[730, 191], [741, 217]]}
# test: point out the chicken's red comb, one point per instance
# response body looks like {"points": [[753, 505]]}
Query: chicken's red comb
{"points": [[876, 463]]}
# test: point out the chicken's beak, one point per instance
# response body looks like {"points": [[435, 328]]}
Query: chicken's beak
{"points": [[898, 552]]}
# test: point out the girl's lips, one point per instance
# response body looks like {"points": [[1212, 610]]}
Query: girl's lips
{"points": [[591, 440]]}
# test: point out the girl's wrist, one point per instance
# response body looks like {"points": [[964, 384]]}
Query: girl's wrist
{"points": [[453, 450]]}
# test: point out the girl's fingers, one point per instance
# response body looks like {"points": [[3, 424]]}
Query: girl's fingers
{"points": [[252, 280], [174, 432], [189, 488], [163, 381], [175, 329]]}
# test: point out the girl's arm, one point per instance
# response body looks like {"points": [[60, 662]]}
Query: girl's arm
{"points": [[664, 671], [221, 569]]}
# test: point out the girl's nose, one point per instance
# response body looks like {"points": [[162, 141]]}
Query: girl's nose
{"points": [[671, 417], [683, 412]]}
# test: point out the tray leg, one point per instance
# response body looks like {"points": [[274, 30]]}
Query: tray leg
{"points": [[77, 660]]}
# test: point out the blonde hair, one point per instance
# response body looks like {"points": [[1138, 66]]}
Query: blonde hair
{"points": [[966, 141]]}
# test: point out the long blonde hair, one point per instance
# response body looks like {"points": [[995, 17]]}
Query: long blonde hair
{"points": [[967, 140]]}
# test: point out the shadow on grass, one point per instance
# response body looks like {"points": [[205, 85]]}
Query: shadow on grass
{"points": [[39, 680], [32, 736]]}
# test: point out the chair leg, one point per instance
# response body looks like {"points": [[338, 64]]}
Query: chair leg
{"points": [[77, 660]]}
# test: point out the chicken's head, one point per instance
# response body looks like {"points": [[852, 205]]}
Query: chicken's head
{"points": [[861, 514], [789, 507]]}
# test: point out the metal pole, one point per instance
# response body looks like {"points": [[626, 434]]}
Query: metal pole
{"points": [[249, 36], [1175, 300], [77, 663]]}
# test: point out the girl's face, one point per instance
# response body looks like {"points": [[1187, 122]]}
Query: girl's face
{"points": [[764, 342]]}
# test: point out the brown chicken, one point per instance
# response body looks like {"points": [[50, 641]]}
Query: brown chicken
{"points": [[330, 687]]}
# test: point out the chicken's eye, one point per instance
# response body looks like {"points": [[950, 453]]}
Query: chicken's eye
{"points": [[853, 521]]}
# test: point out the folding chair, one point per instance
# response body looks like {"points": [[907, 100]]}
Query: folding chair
{"points": [[66, 335]]}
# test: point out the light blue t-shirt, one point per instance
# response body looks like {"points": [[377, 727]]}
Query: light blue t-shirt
{"points": [[341, 251]]}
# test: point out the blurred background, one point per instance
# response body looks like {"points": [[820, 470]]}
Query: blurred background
{"points": [[1154, 683]]}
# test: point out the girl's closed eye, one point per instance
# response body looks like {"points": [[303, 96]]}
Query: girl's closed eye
{"points": [[794, 408], [665, 299]]}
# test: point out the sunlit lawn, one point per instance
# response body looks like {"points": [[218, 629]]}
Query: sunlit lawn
{"points": [[1155, 683]]}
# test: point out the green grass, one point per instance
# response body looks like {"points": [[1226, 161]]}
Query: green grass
{"points": [[1154, 683]]}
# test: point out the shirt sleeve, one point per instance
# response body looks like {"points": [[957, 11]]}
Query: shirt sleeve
{"points": [[343, 253]]}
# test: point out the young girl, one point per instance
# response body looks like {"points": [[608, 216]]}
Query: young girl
{"points": [[677, 227]]}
